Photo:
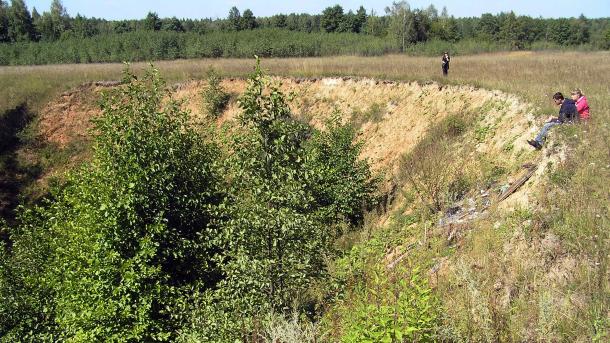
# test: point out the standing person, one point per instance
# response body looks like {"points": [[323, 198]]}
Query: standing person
{"points": [[582, 106], [567, 113], [446, 60]]}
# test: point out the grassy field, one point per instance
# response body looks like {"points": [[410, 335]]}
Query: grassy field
{"points": [[534, 76], [572, 204]]}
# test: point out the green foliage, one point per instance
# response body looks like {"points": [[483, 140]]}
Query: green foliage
{"points": [[343, 186], [290, 186], [399, 307], [215, 98], [332, 18], [128, 238], [275, 246], [166, 45], [20, 27]]}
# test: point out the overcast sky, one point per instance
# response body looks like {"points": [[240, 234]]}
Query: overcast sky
{"points": [[136, 9]]}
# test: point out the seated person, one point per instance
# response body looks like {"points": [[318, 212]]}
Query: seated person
{"points": [[567, 113], [582, 106]]}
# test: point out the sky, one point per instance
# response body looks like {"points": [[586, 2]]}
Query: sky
{"points": [[136, 9]]}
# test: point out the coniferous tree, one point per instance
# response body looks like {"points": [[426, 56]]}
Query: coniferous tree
{"points": [[20, 27], [234, 19]]}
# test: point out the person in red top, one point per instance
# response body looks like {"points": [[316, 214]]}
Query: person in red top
{"points": [[582, 106]]}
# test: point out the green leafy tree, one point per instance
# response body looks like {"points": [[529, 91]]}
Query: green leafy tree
{"points": [[606, 41], [511, 32], [561, 31], [248, 20], [331, 19], [280, 21], [488, 27], [275, 247], [20, 27], [121, 27], [129, 236], [35, 15], [360, 20], [285, 199], [454, 33], [401, 23], [349, 23], [152, 22], [583, 34], [83, 28], [234, 19], [342, 186], [375, 25], [173, 24]]}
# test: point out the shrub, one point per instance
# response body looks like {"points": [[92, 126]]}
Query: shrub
{"points": [[343, 188], [215, 98], [129, 237], [398, 307]]}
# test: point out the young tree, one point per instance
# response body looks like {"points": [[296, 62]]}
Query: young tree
{"points": [[432, 12], [331, 19], [401, 23], [152, 22], [454, 33], [285, 199], [511, 32], [20, 27], [35, 15], [348, 23], [248, 20], [375, 25], [234, 19]]}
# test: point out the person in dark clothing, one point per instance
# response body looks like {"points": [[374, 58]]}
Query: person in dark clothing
{"points": [[446, 60], [567, 113]]}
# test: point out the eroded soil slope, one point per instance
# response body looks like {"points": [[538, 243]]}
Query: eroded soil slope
{"points": [[392, 117]]}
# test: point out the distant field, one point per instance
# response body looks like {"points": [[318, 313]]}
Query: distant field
{"points": [[531, 75]]}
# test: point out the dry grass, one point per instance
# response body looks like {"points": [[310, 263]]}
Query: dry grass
{"points": [[532, 75]]}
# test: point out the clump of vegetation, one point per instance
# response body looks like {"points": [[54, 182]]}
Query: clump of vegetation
{"points": [[393, 306], [373, 114], [157, 240], [215, 98]]}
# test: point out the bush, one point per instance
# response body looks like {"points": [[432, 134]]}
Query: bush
{"points": [[215, 98], [398, 307], [129, 237]]}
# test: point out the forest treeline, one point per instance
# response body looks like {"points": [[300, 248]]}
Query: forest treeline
{"points": [[29, 37]]}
